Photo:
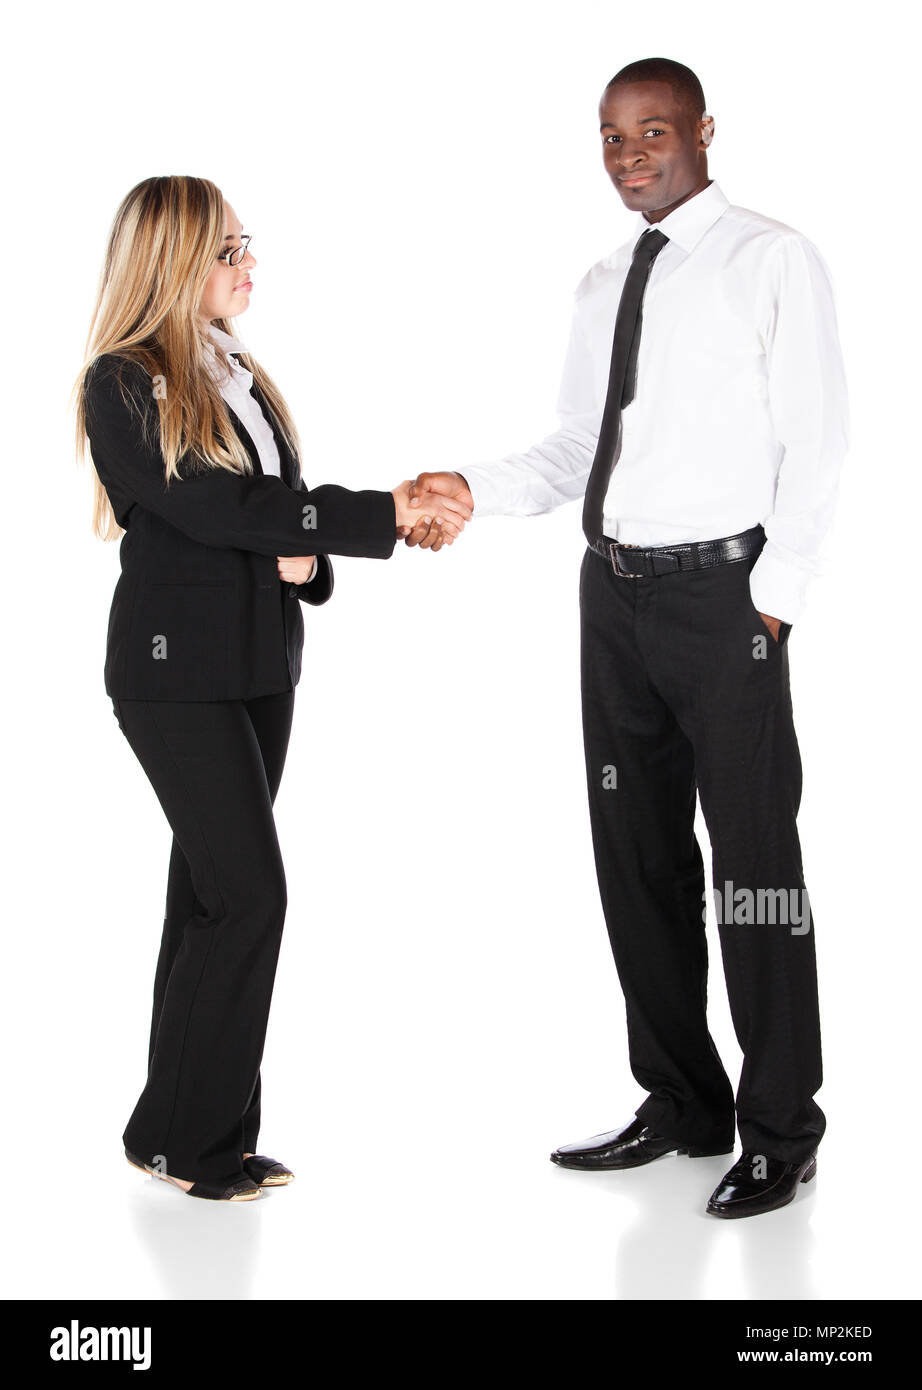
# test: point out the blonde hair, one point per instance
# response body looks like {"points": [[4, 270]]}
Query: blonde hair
{"points": [[162, 248]]}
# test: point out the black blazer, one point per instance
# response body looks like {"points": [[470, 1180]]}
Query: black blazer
{"points": [[199, 611]]}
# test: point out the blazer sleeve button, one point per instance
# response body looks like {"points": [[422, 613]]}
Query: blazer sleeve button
{"points": [[292, 591]]}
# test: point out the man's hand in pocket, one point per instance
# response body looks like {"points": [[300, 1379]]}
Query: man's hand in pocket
{"points": [[773, 625]]}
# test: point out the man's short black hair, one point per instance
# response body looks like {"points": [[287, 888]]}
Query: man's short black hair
{"points": [[686, 88]]}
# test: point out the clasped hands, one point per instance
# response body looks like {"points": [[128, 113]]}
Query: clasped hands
{"points": [[431, 511]]}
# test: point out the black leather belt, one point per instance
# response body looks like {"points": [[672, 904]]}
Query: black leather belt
{"points": [[648, 562]]}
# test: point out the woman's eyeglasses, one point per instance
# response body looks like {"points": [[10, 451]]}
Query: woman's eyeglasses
{"points": [[235, 254]]}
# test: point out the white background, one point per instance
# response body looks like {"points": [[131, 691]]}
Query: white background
{"points": [[424, 187]]}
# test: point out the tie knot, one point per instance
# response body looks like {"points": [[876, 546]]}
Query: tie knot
{"points": [[650, 244]]}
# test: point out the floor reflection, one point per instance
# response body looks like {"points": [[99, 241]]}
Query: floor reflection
{"points": [[668, 1247], [197, 1248]]}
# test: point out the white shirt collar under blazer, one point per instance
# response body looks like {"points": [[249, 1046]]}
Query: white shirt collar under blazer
{"points": [[215, 359]]}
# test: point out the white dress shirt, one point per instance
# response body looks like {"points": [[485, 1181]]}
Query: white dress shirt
{"points": [[234, 382], [741, 409]]}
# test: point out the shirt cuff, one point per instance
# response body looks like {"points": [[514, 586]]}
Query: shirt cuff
{"points": [[485, 487], [312, 573], [777, 586]]}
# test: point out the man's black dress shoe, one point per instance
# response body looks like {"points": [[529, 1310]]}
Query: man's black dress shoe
{"points": [[757, 1183], [629, 1147]]}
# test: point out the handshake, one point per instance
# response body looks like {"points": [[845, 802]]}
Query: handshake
{"points": [[432, 511]]}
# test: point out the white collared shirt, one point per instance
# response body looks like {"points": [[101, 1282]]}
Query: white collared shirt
{"points": [[234, 382], [741, 408]]}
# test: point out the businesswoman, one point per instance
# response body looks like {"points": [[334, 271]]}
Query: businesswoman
{"points": [[196, 467]]}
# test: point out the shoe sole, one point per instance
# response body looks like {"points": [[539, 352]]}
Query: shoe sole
{"points": [[728, 1214], [640, 1162], [152, 1173]]}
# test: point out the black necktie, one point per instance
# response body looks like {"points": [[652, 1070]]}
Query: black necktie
{"points": [[622, 379]]}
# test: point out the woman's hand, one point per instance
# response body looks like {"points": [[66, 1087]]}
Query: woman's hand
{"points": [[296, 569], [450, 512]]}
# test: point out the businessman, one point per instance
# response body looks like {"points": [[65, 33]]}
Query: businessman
{"points": [[703, 421]]}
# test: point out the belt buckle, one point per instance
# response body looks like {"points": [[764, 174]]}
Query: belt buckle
{"points": [[622, 574]]}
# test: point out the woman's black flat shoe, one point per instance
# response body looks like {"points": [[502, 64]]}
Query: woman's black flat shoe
{"points": [[267, 1172], [243, 1190]]}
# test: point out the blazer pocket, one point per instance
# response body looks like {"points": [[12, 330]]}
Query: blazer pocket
{"points": [[179, 639]]}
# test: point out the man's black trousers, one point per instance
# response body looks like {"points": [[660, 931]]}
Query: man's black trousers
{"points": [[216, 769], [685, 689]]}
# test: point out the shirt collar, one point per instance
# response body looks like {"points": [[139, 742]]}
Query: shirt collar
{"points": [[225, 340], [687, 223]]}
